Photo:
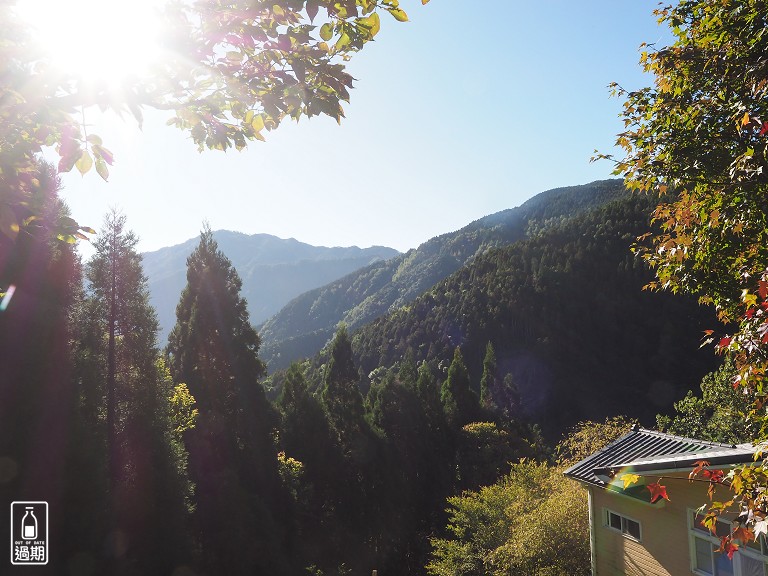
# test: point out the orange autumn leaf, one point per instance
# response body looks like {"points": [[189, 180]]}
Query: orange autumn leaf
{"points": [[657, 492], [744, 535]]}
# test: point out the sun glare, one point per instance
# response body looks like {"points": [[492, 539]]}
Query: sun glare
{"points": [[96, 40]]}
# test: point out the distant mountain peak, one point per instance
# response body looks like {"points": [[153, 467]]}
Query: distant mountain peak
{"points": [[274, 270]]}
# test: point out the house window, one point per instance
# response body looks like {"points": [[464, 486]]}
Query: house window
{"points": [[622, 524], [750, 560]]}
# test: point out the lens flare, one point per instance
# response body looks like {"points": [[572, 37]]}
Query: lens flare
{"points": [[7, 298]]}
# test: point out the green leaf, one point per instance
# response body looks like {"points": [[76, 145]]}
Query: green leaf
{"points": [[326, 31], [68, 238], [372, 23], [84, 163], [94, 139], [101, 168], [342, 42], [257, 123]]}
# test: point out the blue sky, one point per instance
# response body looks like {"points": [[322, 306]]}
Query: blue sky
{"points": [[468, 109]]}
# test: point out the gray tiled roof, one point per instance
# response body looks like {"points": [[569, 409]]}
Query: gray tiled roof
{"points": [[643, 449]]}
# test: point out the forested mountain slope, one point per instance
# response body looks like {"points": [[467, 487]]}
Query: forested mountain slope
{"points": [[306, 323], [568, 318], [273, 270]]}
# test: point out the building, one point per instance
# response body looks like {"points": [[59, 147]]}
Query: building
{"points": [[630, 535]]}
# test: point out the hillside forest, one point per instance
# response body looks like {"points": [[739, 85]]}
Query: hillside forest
{"points": [[390, 449]]}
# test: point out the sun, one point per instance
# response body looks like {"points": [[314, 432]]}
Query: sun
{"points": [[96, 41]]}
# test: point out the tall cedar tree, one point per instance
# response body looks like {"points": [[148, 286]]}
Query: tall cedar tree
{"points": [[358, 483], [118, 374], [341, 394], [459, 401], [306, 435], [36, 395], [214, 349], [488, 380]]}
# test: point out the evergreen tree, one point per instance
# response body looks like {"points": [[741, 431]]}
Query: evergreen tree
{"points": [[459, 401], [306, 435], [233, 461], [341, 394], [358, 482], [118, 374], [488, 380], [507, 398], [428, 393], [39, 282], [408, 374], [213, 348]]}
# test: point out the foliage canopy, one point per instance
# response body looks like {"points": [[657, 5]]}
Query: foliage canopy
{"points": [[233, 71], [701, 133]]}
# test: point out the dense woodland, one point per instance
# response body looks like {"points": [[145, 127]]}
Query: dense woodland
{"points": [[567, 317], [305, 324], [180, 461]]}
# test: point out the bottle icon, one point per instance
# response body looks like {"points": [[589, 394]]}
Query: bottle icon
{"points": [[29, 524]]}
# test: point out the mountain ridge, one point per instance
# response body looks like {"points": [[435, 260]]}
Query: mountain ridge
{"points": [[293, 267], [573, 330], [303, 326]]}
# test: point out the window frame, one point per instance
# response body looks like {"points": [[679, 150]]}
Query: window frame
{"points": [[624, 519], [698, 532]]}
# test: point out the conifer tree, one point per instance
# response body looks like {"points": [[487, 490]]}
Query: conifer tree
{"points": [[459, 401], [488, 380], [118, 373], [358, 482], [428, 393], [341, 394], [409, 372], [39, 282], [304, 432], [306, 435], [233, 461], [213, 348]]}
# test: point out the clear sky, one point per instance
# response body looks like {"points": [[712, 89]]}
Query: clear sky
{"points": [[470, 108]]}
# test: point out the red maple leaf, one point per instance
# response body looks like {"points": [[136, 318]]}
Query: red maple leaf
{"points": [[657, 492], [714, 476], [764, 129], [700, 465], [762, 285], [728, 547]]}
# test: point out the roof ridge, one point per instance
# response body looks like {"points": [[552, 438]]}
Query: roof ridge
{"points": [[633, 430], [650, 432], [641, 445]]}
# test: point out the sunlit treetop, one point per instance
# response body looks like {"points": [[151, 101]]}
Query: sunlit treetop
{"points": [[227, 71]]}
